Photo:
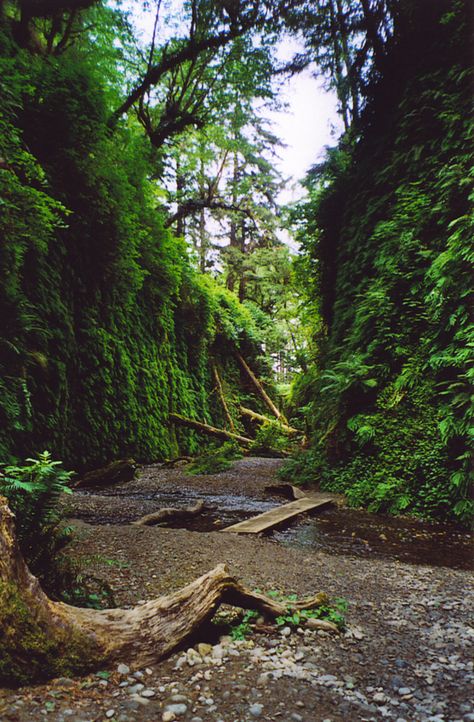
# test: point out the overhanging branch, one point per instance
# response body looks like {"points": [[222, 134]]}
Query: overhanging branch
{"points": [[197, 204]]}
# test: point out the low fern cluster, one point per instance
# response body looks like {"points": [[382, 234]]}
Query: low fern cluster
{"points": [[215, 459], [33, 492]]}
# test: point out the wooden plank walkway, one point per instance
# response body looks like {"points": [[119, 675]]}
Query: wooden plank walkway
{"points": [[276, 516]]}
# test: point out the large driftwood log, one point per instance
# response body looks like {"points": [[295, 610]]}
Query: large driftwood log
{"points": [[259, 388], [264, 419], [114, 473], [211, 430], [171, 514], [40, 638]]}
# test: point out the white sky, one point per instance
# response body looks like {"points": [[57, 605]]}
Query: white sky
{"points": [[306, 127]]}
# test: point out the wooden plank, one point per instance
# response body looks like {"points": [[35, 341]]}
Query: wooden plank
{"points": [[272, 518]]}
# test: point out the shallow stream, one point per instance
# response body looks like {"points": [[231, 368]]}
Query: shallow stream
{"points": [[334, 530]]}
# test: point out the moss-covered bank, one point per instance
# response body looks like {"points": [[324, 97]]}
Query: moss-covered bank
{"points": [[387, 244], [104, 325]]}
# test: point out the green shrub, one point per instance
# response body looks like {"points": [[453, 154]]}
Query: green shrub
{"points": [[33, 492], [270, 437], [216, 459], [334, 612]]}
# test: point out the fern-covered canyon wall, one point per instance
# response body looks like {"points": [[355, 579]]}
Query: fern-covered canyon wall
{"points": [[105, 327], [386, 239]]}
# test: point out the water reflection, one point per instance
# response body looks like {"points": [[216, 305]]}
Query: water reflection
{"points": [[358, 533]]}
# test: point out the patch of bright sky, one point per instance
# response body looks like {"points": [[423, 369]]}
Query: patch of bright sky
{"points": [[308, 124]]}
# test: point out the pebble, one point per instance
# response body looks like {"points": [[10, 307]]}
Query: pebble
{"points": [[402, 691], [135, 688], [177, 709], [110, 713], [285, 632], [296, 717], [123, 669], [396, 682], [177, 699], [148, 693], [204, 649], [65, 682], [256, 709], [139, 699]]}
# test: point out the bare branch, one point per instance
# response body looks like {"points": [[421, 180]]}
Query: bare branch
{"points": [[195, 204], [170, 60]]}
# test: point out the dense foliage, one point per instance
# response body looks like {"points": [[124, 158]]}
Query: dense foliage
{"points": [[105, 326], [108, 322], [33, 492], [385, 234]]}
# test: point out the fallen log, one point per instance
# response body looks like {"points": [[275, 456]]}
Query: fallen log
{"points": [[259, 388], [220, 391], [211, 430], [289, 491], [169, 463], [265, 420], [40, 638], [171, 514], [114, 473]]}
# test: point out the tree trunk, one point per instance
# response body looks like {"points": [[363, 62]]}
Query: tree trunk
{"points": [[223, 401], [40, 638], [210, 430], [264, 419], [261, 391], [171, 514], [114, 473]]}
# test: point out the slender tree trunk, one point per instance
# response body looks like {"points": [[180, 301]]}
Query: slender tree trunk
{"points": [[242, 245], [223, 401], [233, 241], [341, 82], [210, 430], [346, 54], [259, 388], [376, 42], [264, 419], [180, 185], [203, 243]]}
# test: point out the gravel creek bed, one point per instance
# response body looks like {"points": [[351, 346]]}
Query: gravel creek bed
{"points": [[406, 653]]}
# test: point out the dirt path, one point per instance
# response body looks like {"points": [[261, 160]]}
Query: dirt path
{"points": [[407, 654]]}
